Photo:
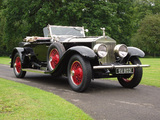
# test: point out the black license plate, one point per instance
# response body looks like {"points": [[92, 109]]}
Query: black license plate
{"points": [[124, 70]]}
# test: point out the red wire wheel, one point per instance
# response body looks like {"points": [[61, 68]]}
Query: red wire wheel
{"points": [[131, 81], [76, 73], [55, 52], [53, 58], [79, 73], [17, 65]]}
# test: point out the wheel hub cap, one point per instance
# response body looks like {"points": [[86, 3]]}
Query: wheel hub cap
{"points": [[76, 73], [53, 58], [17, 65]]}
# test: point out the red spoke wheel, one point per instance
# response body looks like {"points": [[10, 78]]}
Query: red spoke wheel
{"points": [[76, 73], [17, 66], [55, 53], [79, 73], [54, 58], [129, 78], [131, 81]]}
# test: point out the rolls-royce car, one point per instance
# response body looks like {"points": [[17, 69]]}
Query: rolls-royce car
{"points": [[65, 50]]}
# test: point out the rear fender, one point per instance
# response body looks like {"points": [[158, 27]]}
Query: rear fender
{"points": [[24, 53], [20, 51]]}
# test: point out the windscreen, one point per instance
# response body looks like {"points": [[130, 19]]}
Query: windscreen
{"points": [[74, 31]]}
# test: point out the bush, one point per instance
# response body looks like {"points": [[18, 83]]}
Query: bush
{"points": [[148, 35]]}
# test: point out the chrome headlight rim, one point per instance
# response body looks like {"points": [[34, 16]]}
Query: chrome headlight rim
{"points": [[121, 50], [101, 50]]}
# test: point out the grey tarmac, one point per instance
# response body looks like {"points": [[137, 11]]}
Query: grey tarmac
{"points": [[103, 100]]}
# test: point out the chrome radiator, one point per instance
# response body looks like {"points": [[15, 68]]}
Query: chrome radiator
{"points": [[110, 43], [110, 58]]}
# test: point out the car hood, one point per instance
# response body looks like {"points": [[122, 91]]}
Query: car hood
{"points": [[87, 39]]}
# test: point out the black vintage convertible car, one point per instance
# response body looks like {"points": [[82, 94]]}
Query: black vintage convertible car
{"points": [[65, 50]]}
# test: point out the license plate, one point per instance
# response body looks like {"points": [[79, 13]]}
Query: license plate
{"points": [[124, 70]]}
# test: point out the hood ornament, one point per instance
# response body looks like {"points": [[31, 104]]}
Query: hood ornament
{"points": [[103, 29]]}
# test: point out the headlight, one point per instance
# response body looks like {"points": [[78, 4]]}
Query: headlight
{"points": [[121, 50], [100, 50]]}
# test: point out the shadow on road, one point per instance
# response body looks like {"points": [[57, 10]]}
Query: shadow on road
{"points": [[97, 85]]}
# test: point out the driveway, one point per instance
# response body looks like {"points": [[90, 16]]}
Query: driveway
{"points": [[104, 100]]}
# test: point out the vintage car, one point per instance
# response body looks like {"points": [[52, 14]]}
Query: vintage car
{"points": [[65, 50]]}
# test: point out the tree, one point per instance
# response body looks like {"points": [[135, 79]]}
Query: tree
{"points": [[26, 18], [22, 18], [2, 23], [124, 14], [143, 8], [148, 35], [115, 16]]}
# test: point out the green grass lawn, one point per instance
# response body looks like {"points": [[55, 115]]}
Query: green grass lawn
{"points": [[5, 60], [151, 75], [19, 101]]}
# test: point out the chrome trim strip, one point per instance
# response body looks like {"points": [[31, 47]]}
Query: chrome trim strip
{"points": [[119, 66]]}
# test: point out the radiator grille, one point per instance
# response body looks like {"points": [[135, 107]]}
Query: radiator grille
{"points": [[110, 58], [110, 43]]}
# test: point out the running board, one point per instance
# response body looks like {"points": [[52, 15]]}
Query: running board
{"points": [[34, 70]]}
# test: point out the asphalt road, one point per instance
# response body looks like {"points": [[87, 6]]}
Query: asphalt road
{"points": [[104, 100]]}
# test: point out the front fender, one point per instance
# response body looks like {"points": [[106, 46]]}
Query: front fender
{"points": [[133, 51], [82, 50], [20, 50]]}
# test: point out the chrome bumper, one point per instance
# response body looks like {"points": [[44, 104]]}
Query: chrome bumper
{"points": [[119, 66]]}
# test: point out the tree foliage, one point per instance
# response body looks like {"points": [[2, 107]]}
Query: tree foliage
{"points": [[147, 26], [121, 18], [143, 8], [148, 35]]}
